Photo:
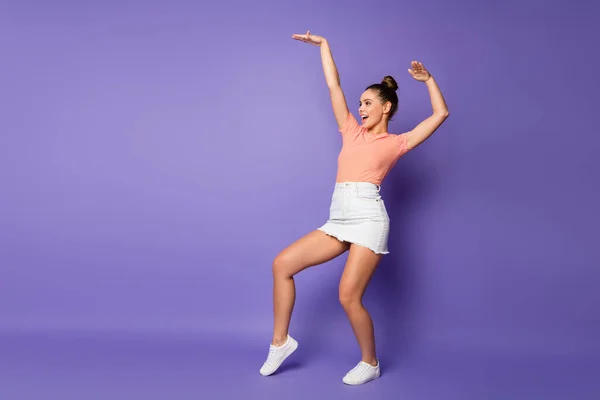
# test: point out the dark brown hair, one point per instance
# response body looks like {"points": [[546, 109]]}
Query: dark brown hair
{"points": [[386, 91]]}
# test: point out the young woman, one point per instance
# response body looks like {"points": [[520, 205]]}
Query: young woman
{"points": [[358, 220]]}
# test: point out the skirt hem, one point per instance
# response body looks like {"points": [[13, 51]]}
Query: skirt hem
{"points": [[345, 239]]}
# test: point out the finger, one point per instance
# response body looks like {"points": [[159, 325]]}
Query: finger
{"points": [[410, 71]]}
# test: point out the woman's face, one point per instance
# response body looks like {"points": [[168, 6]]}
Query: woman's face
{"points": [[370, 109]]}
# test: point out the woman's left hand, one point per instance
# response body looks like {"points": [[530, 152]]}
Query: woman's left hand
{"points": [[419, 72], [315, 40]]}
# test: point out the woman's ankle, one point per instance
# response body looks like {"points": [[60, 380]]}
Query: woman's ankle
{"points": [[371, 361], [279, 340]]}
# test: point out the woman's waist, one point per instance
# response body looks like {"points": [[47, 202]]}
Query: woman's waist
{"points": [[366, 190], [357, 186]]}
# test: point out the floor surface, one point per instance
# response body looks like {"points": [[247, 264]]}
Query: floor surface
{"points": [[109, 366]]}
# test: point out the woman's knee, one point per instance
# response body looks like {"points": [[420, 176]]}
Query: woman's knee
{"points": [[283, 265], [348, 297]]}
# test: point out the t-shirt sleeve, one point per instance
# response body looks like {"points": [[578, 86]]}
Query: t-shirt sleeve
{"points": [[402, 144], [351, 127]]}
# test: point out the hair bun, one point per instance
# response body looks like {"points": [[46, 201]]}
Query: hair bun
{"points": [[390, 83]]}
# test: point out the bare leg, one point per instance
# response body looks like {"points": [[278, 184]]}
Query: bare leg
{"points": [[312, 249], [359, 269]]}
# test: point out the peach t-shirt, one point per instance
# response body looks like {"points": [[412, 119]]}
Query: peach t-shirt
{"points": [[366, 157]]}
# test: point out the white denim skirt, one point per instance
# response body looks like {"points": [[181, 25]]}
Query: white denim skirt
{"points": [[358, 215]]}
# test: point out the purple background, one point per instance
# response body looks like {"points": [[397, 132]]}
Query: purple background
{"points": [[155, 157]]}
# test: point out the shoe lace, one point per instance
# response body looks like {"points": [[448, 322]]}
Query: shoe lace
{"points": [[360, 368], [272, 351]]}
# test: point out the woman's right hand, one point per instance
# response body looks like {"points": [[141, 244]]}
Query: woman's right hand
{"points": [[309, 38]]}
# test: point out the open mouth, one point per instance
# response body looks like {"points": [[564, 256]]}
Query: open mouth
{"points": [[364, 117]]}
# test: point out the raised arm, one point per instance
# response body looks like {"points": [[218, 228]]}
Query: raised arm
{"points": [[440, 111], [332, 77]]}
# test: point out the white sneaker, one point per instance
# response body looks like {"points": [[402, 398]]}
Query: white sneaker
{"points": [[277, 354], [362, 373]]}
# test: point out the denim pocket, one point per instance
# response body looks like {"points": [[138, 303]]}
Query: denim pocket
{"points": [[368, 195]]}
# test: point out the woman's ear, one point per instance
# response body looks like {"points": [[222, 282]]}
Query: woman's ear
{"points": [[387, 107]]}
